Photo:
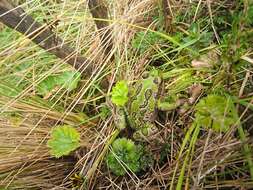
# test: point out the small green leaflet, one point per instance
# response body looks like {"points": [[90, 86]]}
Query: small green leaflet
{"points": [[120, 93], [67, 80], [64, 139]]}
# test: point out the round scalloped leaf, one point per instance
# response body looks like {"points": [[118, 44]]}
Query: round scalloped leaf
{"points": [[216, 112], [64, 139]]}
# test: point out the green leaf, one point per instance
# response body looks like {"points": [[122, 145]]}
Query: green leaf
{"points": [[67, 80], [64, 139], [120, 93], [47, 85], [215, 112]]}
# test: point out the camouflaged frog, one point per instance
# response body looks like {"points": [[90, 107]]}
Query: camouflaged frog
{"points": [[141, 109]]}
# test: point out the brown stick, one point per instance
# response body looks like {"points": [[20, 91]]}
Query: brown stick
{"points": [[16, 18], [98, 9], [166, 14]]}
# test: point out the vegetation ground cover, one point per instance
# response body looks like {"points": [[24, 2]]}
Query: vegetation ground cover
{"points": [[182, 68]]}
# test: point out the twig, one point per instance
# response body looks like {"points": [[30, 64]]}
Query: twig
{"points": [[99, 11]]}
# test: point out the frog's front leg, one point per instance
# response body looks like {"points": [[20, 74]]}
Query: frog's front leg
{"points": [[120, 118], [182, 101], [170, 105], [122, 123]]}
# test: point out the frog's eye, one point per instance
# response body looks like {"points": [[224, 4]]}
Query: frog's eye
{"points": [[145, 75], [157, 80]]}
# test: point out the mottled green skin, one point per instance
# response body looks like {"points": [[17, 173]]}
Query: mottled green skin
{"points": [[141, 108]]}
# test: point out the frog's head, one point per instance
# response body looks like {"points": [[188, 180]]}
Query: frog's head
{"points": [[153, 74]]}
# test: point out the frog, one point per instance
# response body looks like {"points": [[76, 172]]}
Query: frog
{"points": [[141, 110]]}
